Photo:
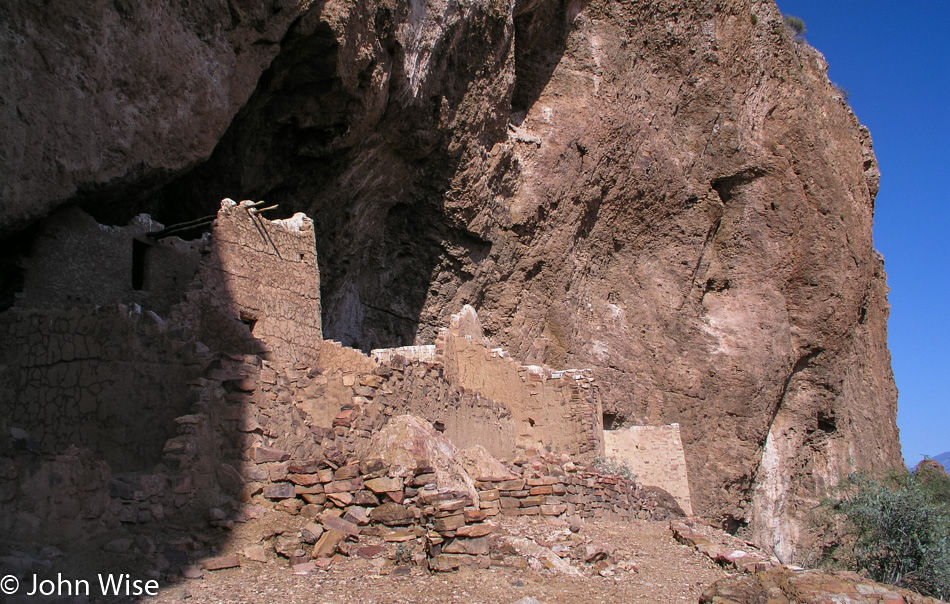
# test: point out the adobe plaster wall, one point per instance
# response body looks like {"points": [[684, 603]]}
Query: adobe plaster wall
{"points": [[655, 455]]}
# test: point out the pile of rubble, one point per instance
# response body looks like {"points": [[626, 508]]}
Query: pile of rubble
{"points": [[428, 502], [742, 556]]}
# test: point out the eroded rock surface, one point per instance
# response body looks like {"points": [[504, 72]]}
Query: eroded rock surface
{"points": [[674, 194], [106, 99], [782, 585]]}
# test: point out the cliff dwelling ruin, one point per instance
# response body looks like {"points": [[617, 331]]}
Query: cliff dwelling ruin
{"points": [[136, 348], [662, 214]]}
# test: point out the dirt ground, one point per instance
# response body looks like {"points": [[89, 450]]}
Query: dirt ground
{"points": [[651, 567]]}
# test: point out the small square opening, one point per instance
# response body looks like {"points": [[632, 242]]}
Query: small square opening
{"points": [[249, 320]]}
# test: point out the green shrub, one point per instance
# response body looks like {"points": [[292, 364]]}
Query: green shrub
{"points": [[795, 25], [935, 482], [754, 19], [896, 533]]}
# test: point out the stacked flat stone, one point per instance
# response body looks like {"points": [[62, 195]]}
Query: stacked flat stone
{"points": [[571, 491], [732, 558]]}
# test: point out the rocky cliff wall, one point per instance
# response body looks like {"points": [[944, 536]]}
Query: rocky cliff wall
{"points": [[671, 192], [112, 98]]}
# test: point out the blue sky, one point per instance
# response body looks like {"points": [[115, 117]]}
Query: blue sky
{"points": [[895, 59]]}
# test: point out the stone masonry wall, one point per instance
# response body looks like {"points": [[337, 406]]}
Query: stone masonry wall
{"points": [[77, 262], [261, 409], [248, 438], [109, 380], [557, 410], [464, 416], [533, 408], [277, 459], [262, 273], [655, 455]]}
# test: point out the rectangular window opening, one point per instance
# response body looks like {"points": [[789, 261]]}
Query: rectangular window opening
{"points": [[139, 250]]}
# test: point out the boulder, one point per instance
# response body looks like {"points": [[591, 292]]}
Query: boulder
{"points": [[408, 443], [483, 467]]}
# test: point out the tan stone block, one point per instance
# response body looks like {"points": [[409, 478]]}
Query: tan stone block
{"points": [[341, 499], [283, 490], [511, 485], [478, 546], [532, 501], [373, 381], [449, 523], [490, 495], [220, 562], [531, 511], [398, 536], [335, 523], [327, 544], [304, 479], [392, 514], [365, 498], [384, 485], [277, 472], [344, 486], [450, 505], [311, 490], [443, 563], [475, 530], [347, 472], [474, 515], [357, 515], [268, 454], [553, 510]]}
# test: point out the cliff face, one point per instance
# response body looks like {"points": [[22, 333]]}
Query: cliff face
{"points": [[119, 96], [670, 192]]}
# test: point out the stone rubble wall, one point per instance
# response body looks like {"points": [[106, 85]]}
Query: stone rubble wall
{"points": [[108, 379], [248, 438], [473, 393], [465, 417], [289, 464], [655, 455], [334, 355]]}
